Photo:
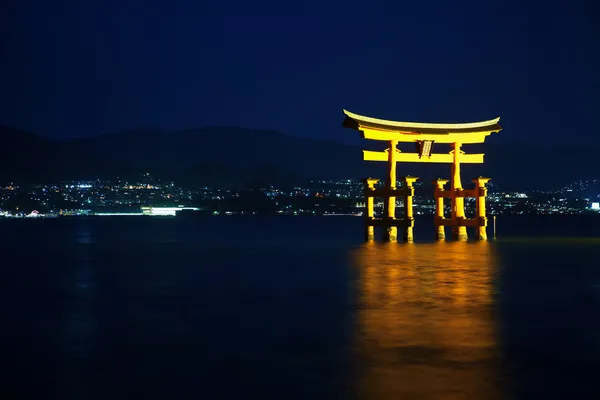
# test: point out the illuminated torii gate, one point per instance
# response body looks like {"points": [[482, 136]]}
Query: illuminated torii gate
{"points": [[424, 135]]}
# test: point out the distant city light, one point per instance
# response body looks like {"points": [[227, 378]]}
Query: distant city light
{"points": [[165, 211], [319, 197]]}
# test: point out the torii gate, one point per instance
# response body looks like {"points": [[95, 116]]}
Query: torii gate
{"points": [[424, 135]]}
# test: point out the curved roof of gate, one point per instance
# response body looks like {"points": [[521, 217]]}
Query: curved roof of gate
{"points": [[361, 122]]}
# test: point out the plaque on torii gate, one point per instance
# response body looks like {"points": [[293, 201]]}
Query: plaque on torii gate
{"points": [[424, 135]]}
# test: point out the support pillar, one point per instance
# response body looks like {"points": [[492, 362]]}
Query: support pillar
{"points": [[408, 207], [369, 212], [391, 233], [459, 232], [439, 208], [481, 191]]}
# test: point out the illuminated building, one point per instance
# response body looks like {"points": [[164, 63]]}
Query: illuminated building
{"points": [[424, 135], [165, 211]]}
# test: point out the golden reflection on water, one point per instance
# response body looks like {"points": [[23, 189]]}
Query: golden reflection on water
{"points": [[424, 326]]}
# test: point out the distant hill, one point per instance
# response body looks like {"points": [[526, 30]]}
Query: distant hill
{"points": [[233, 155], [24, 156]]}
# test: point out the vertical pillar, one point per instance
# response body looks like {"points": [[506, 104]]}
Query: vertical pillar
{"points": [[459, 232], [409, 192], [481, 191], [439, 208], [391, 233], [369, 212]]}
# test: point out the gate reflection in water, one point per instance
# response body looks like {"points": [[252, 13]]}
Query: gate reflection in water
{"points": [[425, 323]]}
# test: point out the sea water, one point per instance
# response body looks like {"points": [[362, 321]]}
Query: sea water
{"points": [[297, 308]]}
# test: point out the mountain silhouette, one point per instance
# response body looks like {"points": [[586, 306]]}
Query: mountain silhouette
{"points": [[238, 156]]}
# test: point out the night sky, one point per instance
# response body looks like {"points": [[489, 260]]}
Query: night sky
{"points": [[84, 68]]}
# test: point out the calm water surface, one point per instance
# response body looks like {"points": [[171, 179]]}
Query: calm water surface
{"points": [[288, 308]]}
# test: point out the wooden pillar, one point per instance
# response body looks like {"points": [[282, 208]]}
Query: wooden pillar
{"points": [[409, 219], [459, 232], [439, 208], [481, 191], [391, 233], [369, 212]]}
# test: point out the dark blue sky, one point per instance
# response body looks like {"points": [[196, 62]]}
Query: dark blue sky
{"points": [[82, 68]]}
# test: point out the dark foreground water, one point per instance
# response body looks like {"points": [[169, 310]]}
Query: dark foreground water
{"points": [[296, 308]]}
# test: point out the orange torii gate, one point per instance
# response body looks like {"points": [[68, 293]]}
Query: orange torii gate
{"points": [[424, 135]]}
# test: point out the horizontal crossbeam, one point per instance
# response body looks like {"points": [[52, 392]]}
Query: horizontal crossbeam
{"points": [[369, 155], [401, 192], [477, 221], [465, 138], [449, 194]]}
